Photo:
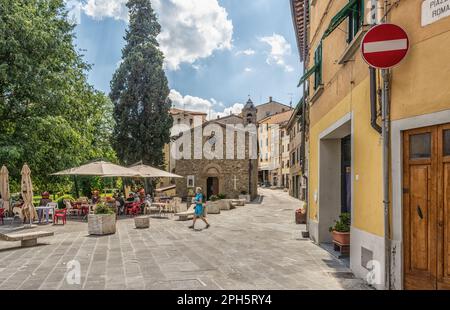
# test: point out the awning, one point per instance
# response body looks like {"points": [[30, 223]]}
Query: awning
{"points": [[164, 189], [306, 76], [100, 168], [340, 17], [146, 171]]}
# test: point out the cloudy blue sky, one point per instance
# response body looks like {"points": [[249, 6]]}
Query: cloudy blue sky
{"points": [[217, 52]]}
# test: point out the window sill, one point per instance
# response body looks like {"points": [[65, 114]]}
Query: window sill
{"points": [[316, 94], [353, 46]]}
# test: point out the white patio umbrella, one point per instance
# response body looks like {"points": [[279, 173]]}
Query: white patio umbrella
{"points": [[100, 168], [27, 193], [4, 187], [146, 171]]}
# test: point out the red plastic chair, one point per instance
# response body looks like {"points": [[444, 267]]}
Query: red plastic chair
{"points": [[136, 209], [2, 214], [60, 214]]}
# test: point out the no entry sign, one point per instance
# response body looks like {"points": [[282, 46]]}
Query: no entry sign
{"points": [[384, 46]]}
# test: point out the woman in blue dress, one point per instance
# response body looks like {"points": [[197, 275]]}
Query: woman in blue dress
{"points": [[199, 210]]}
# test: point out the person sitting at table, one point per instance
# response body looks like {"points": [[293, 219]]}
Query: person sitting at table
{"points": [[95, 197], [45, 199], [17, 206], [120, 203]]}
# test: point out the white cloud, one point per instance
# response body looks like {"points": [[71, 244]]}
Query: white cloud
{"points": [[192, 30], [234, 109], [248, 70], [280, 48], [247, 52], [212, 107], [99, 9], [189, 102]]}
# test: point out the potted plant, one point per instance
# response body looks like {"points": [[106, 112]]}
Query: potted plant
{"points": [[103, 221], [244, 195], [341, 229], [300, 215]]}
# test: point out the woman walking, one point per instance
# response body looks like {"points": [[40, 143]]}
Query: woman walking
{"points": [[199, 208]]}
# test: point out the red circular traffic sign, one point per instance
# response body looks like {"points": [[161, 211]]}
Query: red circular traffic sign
{"points": [[384, 46]]}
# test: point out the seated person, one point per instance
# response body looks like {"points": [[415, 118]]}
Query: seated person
{"points": [[120, 203], [18, 208], [95, 197], [130, 197], [45, 199]]}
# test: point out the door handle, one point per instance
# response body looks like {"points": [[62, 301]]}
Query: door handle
{"points": [[419, 211]]}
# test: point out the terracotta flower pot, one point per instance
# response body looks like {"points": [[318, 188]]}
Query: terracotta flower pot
{"points": [[300, 216], [341, 237]]}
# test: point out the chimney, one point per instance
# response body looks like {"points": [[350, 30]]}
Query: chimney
{"points": [[270, 99]]}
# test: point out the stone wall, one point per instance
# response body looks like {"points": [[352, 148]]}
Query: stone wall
{"points": [[224, 169]]}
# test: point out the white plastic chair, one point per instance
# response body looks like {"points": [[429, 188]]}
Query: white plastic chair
{"points": [[51, 212]]}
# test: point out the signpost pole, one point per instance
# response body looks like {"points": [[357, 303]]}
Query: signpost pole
{"points": [[385, 107]]}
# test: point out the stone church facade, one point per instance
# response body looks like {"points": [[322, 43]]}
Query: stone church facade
{"points": [[231, 177]]}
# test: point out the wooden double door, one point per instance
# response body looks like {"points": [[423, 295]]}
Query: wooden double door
{"points": [[426, 208]]}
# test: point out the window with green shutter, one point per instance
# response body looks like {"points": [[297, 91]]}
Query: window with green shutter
{"points": [[318, 66], [355, 19]]}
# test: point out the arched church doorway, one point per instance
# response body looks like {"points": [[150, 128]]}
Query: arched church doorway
{"points": [[212, 187]]}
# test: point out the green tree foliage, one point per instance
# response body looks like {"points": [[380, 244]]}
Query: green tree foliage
{"points": [[139, 92], [50, 117]]}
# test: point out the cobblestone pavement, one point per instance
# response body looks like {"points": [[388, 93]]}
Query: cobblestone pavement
{"points": [[253, 247]]}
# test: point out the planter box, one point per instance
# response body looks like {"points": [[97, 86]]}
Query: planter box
{"points": [[101, 224], [225, 204], [343, 238], [142, 222], [246, 197], [212, 207]]}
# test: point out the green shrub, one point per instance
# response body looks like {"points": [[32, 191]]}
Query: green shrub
{"points": [[61, 199], [343, 224], [214, 198], [102, 208], [244, 192], [221, 196]]}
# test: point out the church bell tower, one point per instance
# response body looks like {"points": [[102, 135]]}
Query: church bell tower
{"points": [[249, 113]]}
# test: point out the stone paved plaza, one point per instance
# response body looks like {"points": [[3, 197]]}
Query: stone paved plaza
{"points": [[253, 247]]}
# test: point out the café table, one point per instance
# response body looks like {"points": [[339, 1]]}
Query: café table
{"points": [[160, 205], [46, 211]]}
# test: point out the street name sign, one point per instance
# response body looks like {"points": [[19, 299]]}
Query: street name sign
{"points": [[434, 10]]}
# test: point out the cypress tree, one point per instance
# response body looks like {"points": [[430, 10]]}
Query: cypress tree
{"points": [[139, 92]]}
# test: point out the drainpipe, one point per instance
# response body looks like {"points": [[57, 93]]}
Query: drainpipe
{"points": [[304, 107], [373, 100]]}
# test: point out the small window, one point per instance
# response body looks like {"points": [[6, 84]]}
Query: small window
{"points": [[318, 66], [446, 142], [355, 20], [420, 146], [191, 121]]}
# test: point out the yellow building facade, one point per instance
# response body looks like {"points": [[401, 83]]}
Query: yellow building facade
{"points": [[345, 149]]}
